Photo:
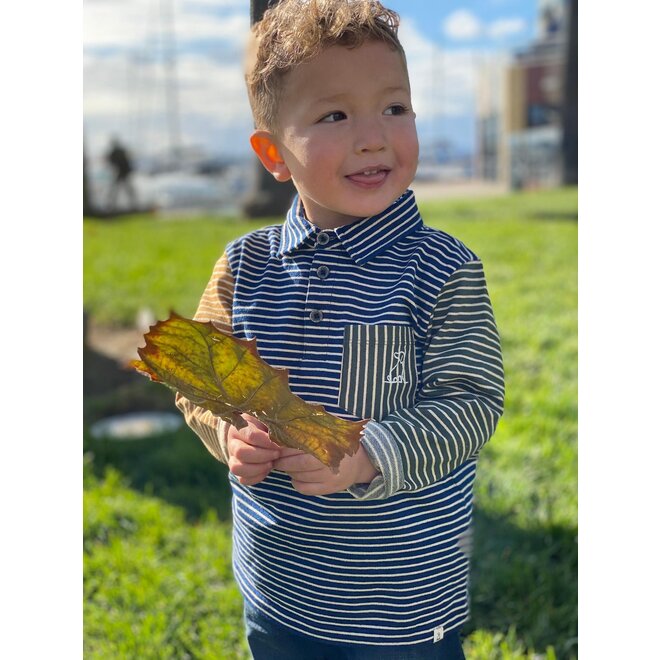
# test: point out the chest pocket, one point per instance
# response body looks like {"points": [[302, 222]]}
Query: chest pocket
{"points": [[378, 373]]}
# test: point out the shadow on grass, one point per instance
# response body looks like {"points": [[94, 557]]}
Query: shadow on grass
{"points": [[520, 577], [175, 466], [525, 578]]}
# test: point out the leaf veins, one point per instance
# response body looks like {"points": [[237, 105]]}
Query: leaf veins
{"points": [[226, 375]]}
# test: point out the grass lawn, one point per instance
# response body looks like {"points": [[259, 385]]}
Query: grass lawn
{"points": [[157, 532]]}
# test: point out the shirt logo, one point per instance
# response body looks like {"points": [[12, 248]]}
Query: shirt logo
{"points": [[396, 374]]}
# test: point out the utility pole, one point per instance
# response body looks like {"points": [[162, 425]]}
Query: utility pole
{"points": [[570, 109], [268, 197], [171, 83]]}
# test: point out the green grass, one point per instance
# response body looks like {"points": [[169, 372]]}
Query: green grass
{"points": [[141, 262], [156, 586], [157, 566]]}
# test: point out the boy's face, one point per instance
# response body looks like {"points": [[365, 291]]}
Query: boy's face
{"points": [[346, 132]]}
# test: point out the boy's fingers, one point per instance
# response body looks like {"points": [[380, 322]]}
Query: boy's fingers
{"points": [[251, 481], [257, 437], [250, 454], [310, 476], [254, 421], [287, 451], [248, 470], [298, 463]]}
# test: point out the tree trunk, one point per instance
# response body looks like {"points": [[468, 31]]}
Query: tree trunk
{"points": [[257, 9], [88, 199], [268, 198]]}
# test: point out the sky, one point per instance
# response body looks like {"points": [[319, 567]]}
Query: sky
{"points": [[127, 50]]}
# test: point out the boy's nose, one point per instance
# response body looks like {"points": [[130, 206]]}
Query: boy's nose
{"points": [[370, 138]]}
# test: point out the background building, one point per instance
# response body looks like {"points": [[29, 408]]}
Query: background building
{"points": [[519, 108]]}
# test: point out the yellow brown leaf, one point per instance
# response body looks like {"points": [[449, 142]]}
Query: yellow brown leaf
{"points": [[226, 375]]}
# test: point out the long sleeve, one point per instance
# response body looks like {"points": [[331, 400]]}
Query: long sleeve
{"points": [[460, 400], [216, 306]]}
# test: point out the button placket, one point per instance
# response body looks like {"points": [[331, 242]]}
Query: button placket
{"points": [[322, 238], [316, 294], [316, 316], [316, 291]]}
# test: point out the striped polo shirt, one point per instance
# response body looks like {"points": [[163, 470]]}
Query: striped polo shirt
{"points": [[383, 319]]}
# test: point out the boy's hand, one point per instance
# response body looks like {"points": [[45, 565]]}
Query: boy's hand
{"points": [[310, 477], [251, 452]]}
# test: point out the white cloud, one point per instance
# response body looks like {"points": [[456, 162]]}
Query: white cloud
{"points": [[443, 81], [123, 97], [124, 88], [462, 25], [506, 27], [137, 23]]}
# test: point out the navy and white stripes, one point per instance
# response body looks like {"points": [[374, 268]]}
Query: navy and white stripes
{"points": [[385, 319]]}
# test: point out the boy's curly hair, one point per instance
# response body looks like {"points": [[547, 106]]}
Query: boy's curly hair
{"points": [[294, 31]]}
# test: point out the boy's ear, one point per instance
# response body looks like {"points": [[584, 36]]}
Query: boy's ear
{"points": [[264, 146]]}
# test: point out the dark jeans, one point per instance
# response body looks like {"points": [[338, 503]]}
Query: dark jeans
{"points": [[269, 640]]}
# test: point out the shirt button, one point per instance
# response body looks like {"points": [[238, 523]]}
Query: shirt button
{"points": [[316, 316], [322, 238], [322, 272]]}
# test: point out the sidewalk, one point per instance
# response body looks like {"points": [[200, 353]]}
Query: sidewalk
{"points": [[469, 189]]}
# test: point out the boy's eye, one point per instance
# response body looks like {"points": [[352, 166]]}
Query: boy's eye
{"points": [[396, 109], [334, 116]]}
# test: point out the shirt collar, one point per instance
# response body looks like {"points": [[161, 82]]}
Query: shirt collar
{"points": [[362, 239]]}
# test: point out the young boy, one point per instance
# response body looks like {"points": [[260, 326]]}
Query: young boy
{"points": [[376, 316]]}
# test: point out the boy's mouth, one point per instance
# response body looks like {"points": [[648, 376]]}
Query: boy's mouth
{"points": [[369, 176]]}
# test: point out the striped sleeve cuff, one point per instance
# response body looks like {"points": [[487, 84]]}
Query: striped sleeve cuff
{"points": [[382, 449], [222, 431]]}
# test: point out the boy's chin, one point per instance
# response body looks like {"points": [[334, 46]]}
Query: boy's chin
{"points": [[356, 207], [377, 205]]}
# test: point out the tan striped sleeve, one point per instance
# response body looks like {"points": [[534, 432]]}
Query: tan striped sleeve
{"points": [[216, 306]]}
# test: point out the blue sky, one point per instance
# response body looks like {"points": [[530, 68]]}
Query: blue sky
{"points": [[124, 70], [482, 24]]}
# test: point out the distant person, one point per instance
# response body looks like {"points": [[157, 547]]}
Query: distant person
{"points": [[376, 316], [120, 161]]}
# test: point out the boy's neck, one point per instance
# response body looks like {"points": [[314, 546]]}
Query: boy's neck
{"points": [[334, 224], [332, 220], [328, 221], [336, 220]]}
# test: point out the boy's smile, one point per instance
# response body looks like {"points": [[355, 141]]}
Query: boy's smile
{"points": [[345, 133]]}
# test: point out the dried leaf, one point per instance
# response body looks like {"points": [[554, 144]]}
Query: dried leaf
{"points": [[227, 376]]}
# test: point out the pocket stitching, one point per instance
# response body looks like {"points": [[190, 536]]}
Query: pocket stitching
{"points": [[357, 369]]}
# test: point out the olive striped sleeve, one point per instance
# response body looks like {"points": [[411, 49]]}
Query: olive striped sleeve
{"points": [[216, 306], [459, 402]]}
